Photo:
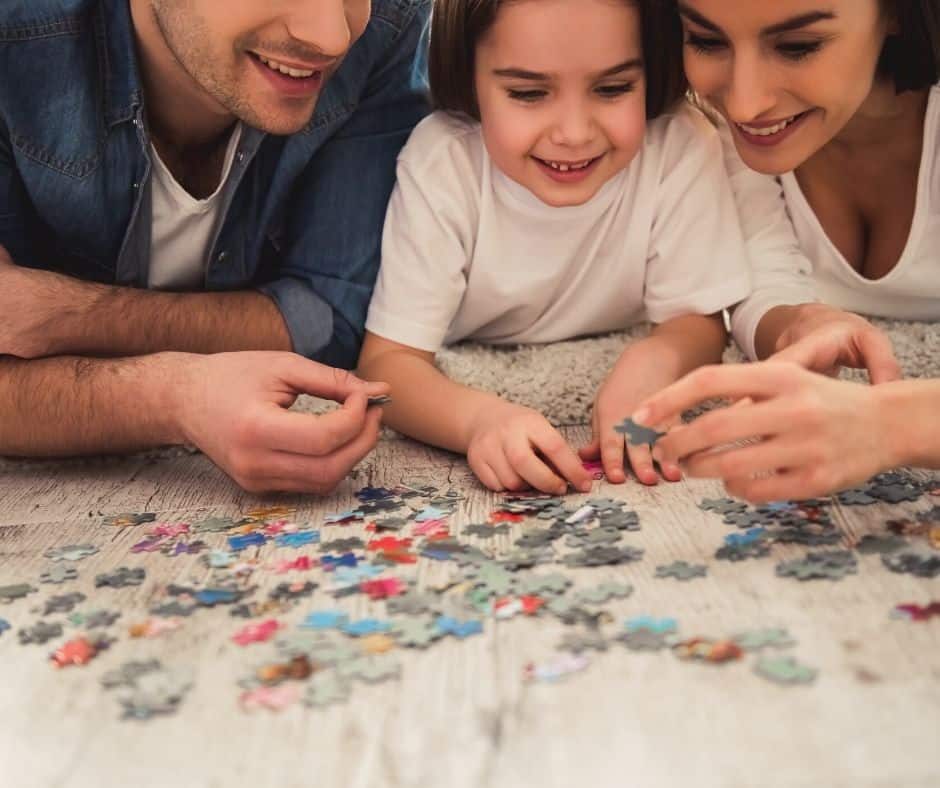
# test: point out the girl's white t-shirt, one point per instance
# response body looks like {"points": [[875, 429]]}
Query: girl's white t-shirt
{"points": [[819, 271], [468, 253]]}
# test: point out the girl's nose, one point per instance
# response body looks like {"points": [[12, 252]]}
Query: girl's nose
{"points": [[574, 127]]}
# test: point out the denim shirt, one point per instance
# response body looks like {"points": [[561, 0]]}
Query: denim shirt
{"points": [[303, 214]]}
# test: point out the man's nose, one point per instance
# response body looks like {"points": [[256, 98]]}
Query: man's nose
{"points": [[323, 25]]}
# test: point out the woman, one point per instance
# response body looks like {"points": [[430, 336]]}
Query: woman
{"points": [[838, 100]]}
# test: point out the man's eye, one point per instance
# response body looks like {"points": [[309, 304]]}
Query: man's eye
{"points": [[528, 96], [798, 51], [612, 91], [703, 45]]}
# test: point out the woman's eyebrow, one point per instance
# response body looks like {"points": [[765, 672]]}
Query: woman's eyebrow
{"points": [[786, 26]]}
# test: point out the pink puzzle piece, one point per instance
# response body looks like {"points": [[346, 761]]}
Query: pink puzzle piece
{"points": [[257, 633]]}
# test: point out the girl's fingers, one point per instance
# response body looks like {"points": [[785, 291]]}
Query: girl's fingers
{"points": [[508, 478], [612, 451], [564, 459], [591, 452], [521, 456], [488, 477], [641, 461]]}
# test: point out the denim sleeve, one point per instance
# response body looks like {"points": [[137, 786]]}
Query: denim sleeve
{"points": [[13, 205], [334, 234]]}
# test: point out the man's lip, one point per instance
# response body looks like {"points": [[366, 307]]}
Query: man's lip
{"points": [[321, 65]]}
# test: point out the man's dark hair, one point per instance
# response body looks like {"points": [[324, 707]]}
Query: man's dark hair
{"points": [[457, 26], [911, 57]]}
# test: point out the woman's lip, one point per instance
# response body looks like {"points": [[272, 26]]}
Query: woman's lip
{"points": [[770, 140]]}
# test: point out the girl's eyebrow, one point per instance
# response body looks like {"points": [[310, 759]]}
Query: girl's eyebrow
{"points": [[535, 76], [786, 26]]}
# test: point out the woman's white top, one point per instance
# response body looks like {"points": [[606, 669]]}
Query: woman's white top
{"points": [[818, 271], [469, 253]]}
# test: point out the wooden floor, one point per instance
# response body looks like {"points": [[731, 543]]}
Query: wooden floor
{"points": [[461, 714]]}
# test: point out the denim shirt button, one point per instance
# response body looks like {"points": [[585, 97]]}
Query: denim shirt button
{"points": [[240, 156], [223, 256]]}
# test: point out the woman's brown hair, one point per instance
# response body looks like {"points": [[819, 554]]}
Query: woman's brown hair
{"points": [[457, 26]]}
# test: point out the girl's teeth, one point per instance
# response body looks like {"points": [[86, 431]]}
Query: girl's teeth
{"points": [[567, 167], [296, 73], [769, 130]]}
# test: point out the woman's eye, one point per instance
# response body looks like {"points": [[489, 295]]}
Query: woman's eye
{"points": [[612, 91], [704, 45], [798, 51], [528, 96]]}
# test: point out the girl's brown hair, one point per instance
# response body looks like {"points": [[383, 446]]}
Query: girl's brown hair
{"points": [[457, 26]]}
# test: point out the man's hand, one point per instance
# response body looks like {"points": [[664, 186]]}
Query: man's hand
{"points": [[233, 406], [814, 435], [34, 304], [823, 339], [637, 374], [515, 448]]}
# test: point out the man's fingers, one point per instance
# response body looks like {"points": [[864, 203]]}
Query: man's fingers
{"points": [[878, 357], [728, 381], [319, 380], [782, 486], [307, 434], [564, 459]]}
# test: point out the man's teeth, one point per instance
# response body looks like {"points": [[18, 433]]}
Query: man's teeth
{"points": [[565, 167], [291, 72], [767, 131]]}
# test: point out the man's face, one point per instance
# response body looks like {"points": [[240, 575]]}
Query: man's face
{"points": [[787, 74], [264, 62]]}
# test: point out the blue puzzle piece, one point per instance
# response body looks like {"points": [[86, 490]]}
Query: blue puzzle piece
{"points": [[461, 629], [325, 619], [345, 575], [241, 542], [438, 555], [298, 539], [749, 537], [331, 562], [366, 626], [659, 625], [4, 625], [431, 513], [209, 597], [220, 559], [343, 517], [374, 494]]}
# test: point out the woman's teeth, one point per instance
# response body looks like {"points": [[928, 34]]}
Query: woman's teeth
{"points": [[296, 73], [768, 131]]}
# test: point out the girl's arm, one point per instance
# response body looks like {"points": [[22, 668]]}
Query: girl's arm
{"points": [[672, 350], [509, 447]]}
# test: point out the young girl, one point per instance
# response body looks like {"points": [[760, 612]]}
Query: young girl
{"points": [[538, 205]]}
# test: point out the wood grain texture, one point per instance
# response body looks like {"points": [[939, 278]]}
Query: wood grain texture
{"points": [[461, 714]]}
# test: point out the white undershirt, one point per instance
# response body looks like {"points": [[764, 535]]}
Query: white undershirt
{"points": [[469, 253], [817, 270], [183, 227]]}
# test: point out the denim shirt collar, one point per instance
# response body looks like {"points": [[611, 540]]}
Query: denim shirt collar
{"points": [[117, 41]]}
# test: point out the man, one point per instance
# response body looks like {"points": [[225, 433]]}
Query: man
{"points": [[183, 179]]}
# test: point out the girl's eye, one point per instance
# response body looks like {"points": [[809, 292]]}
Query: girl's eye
{"points": [[527, 96], [798, 51], [703, 45], [613, 91]]}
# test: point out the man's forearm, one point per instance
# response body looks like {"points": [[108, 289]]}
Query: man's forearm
{"points": [[70, 406], [123, 321]]}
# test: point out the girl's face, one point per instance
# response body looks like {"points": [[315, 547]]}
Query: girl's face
{"points": [[788, 75], [562, 99]]}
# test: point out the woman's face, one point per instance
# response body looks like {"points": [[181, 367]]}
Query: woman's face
{"points": [[788, 75]]}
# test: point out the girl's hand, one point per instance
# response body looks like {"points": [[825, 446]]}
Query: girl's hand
{"points": [[623, 390], [515, 448], [815, 435]]}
